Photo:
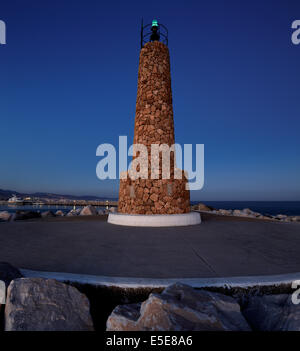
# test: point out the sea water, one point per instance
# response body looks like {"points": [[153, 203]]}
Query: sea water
{"points": [[41, 208]]}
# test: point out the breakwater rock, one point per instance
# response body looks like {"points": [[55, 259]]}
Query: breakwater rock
{"points": [[246, 212], [37, 304]]}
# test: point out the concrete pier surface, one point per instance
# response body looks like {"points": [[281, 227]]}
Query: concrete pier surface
{"points": [[218, 247]]}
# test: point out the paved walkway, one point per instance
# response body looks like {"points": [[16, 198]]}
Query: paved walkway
{"points": [[220, 246]]}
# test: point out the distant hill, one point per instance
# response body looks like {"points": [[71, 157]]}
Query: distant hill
{"points": [[6, 194]]}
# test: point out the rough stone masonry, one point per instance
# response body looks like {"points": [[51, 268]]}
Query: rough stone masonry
{"points": [[154, 124]]}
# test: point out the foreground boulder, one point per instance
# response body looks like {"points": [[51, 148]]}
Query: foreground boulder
{"points": [[179, 308], [4, 216], [88, 211], [273, 313], [73, 212], [59, 213], [45, 305]]}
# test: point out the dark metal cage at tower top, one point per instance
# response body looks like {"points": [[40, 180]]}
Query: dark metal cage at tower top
{"points": [[154, 32]]}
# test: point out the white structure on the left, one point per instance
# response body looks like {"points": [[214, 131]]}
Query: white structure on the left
{"points": [[2, 32]]}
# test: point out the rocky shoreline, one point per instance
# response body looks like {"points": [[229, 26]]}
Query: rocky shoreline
{"points": [[90, 210], [40, 304], [246, 212]]}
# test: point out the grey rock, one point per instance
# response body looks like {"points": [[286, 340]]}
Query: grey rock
{"points": [[59, 213], [264, 217], [256, 214], [238, 213], [125, 318], [179, 308], [72, 213], [247, 211], [47, 214], [225, 212], [88, 211], [273, 313], [5, 216], [36, 304]]}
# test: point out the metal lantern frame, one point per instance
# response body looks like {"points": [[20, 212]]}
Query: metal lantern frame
{"points": [[146, 33]]}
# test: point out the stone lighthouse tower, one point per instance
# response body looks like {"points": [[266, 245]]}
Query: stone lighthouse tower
{"points": [[160, 200]]}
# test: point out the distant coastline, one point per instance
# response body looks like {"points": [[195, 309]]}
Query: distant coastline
{"points": [[289, 208], [6, 194]]}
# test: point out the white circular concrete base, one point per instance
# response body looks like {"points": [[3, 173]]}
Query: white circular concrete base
{"points": [[163, 220]]}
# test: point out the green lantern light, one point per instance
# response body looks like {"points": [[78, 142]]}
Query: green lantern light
{"points": [[154, 23]]}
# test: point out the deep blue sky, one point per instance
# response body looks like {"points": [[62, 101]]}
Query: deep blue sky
{"points": [[68, 79]]}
